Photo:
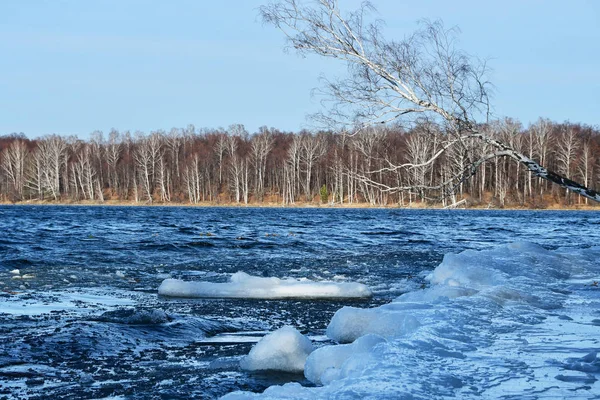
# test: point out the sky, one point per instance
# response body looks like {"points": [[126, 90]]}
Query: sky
{"points": [[71, 67]]}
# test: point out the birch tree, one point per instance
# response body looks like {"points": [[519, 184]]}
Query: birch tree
{"points": [[113, 155], [261, 146], [542, 132], [221, 147], [13, 164], [312, 148], [51, 151], [238, 162], [146, 156], [424, 74], [568, 145], [585, 166]]}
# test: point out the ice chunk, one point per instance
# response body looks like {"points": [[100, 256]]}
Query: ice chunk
{"points": [[242, 285], [285, 349], [329, 363], [350, 323], [15, 272], [589, 363]]}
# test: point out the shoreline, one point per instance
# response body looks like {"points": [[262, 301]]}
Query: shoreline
{"points": [[299, 205]]}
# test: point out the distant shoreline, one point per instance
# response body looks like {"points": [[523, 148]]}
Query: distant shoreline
{"points": [[298, 205]]}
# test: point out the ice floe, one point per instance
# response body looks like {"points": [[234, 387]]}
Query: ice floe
{"points": [[243, 285]]}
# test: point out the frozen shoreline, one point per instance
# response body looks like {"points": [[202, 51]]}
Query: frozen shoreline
{"points": [[298, 205], [515, 320]]}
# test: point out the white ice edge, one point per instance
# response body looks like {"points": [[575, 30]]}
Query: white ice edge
{"points": [[243, 285]]}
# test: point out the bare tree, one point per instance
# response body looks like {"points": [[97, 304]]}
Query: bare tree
{"points": [[34, 176], [338, 168], [418, 147], [568, 145], [261, 145], [51, 151], [238, 162], [542, 131], [193, 179], [424, 74], [311, 149], [146, 156], [586, 163], [113, 155], [221, 149], [175, 144], [366, 143], [13, 164], [163, 178], [84, 175], [292, 171]]}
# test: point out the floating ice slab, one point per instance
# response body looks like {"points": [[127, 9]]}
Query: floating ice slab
{"points": [[242, 285], [285, 349]]}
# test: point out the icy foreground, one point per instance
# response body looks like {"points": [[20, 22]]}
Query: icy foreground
{"points": [[517, 321], [242, 285]]}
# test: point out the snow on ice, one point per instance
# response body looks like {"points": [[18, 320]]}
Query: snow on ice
{"points": [[515, 321], [330, 362], [350, 323], [285, 349], [242, 285]]}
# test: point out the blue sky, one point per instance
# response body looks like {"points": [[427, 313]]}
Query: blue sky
{"points": [[71, 67]]}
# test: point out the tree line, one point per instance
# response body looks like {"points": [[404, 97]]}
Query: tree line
{"points": [[383, 165]]}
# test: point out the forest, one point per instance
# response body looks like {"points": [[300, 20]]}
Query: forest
{"points": [[233, 166]]}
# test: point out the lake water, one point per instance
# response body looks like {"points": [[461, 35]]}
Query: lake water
{"points": [[82, 318]]}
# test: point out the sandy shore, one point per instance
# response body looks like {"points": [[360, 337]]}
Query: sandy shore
{"points": [[416, 206]]}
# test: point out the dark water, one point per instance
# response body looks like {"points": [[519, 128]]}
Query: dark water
{"points": [[82, 318]]}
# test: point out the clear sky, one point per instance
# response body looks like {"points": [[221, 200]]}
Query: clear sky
{"points": [[75, 66]]}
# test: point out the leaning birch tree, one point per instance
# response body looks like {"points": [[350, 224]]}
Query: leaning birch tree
{"points": [[422, 75]]}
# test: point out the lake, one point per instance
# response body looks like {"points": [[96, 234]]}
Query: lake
{"points": [[80, 315]]}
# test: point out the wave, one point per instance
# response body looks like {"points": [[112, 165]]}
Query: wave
{"points": [[492, 229], [132, 316], [199, 243], [391, 233], [17, 262]]}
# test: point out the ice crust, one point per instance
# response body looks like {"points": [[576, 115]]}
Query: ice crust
{"points": [[350, 323], [515, 321], [286, 349], [329, 363], [243, 285]]}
